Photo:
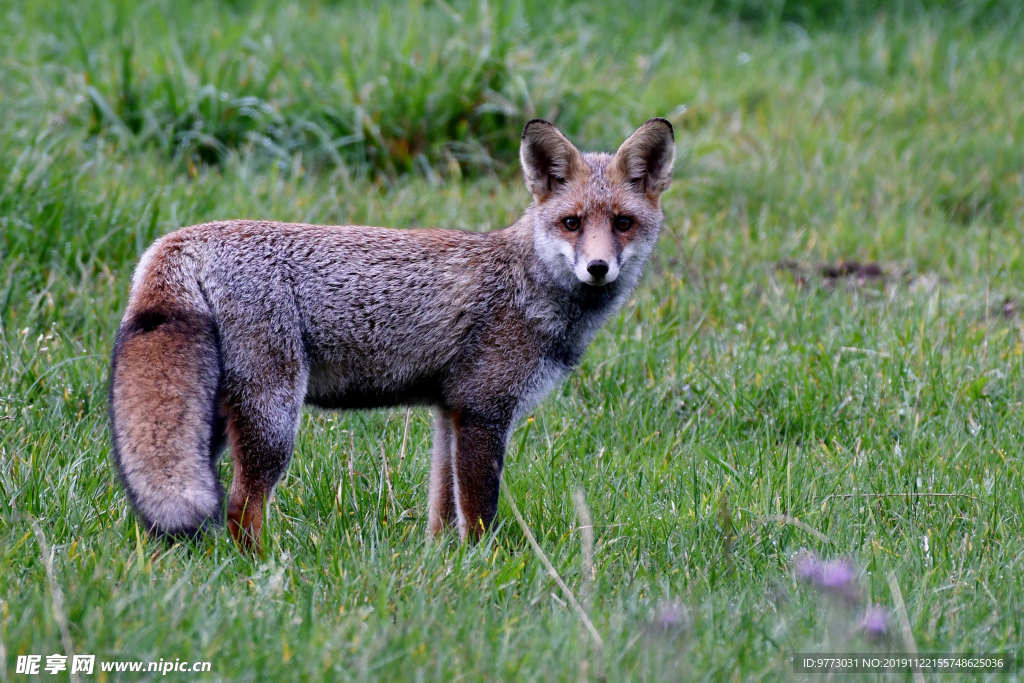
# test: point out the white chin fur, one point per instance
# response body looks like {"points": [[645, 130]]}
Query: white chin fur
{"points": [[594, 282]]}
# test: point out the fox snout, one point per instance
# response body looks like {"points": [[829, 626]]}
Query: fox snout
{"points": [[597, 271], [598, 268], [596, 252]]}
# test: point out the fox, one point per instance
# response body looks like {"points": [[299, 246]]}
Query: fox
{"points": [[232, 327]]}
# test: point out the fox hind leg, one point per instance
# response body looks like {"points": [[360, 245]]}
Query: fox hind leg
{"points": [[261, 449], [262, 421]]}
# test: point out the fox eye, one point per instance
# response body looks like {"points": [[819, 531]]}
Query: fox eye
{"points": [[572, 223], [623, 223]]}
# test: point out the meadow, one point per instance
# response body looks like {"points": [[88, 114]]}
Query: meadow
{"points": [[825, 357]]}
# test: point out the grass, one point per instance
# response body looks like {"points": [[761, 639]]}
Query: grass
{"points": [[735, 413]]}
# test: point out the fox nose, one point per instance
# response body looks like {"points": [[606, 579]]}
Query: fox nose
{"points": [[598, 268]]}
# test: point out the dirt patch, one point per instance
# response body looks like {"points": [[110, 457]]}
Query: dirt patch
{"points": [[848, 273], [854, 269]]}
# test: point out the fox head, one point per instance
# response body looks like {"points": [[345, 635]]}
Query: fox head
{"points": [[595, 216]]}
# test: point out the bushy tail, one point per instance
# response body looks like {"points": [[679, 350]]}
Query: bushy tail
{"points": [[164, 383]]}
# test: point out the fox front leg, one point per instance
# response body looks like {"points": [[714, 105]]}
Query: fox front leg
{"points": [[479, 459], [441, 506]]}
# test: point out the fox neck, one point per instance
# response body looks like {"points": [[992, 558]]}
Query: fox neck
{"points": [[564, 310]]}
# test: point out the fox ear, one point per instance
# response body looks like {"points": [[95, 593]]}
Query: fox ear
{"points": [[549, 160], [645, 159]]}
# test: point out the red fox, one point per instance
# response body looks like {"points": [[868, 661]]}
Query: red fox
{"points": [[232, 326]]}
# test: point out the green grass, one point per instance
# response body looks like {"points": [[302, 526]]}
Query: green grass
{"points": [[729, 396]]}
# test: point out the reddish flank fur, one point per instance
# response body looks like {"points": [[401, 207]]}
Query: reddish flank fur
{"points": [[232, 327]]}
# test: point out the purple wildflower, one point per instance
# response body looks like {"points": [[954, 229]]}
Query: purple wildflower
{"points": [[671, 616], [837, 578], [876, 621], [807, 567]]}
